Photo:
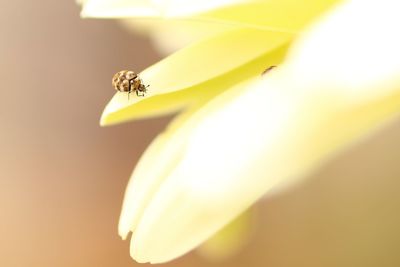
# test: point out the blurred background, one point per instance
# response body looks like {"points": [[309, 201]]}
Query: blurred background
{"points": [[62, 177]]}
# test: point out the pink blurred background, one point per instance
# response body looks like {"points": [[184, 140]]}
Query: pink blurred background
{"points": [[62, 177]]}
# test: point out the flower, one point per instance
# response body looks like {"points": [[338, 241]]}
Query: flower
{"points": [[242, 134]]}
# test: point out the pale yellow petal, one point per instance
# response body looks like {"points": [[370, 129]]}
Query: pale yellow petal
{"points": [[160, 157], [175, 199], [239, 151], [356, 53], [185, 20], [211, 58], [150, 8], [191, 74], [270, 132], [187, 8], [170, 35], [119, 8], [274, 15], [279, 15]]}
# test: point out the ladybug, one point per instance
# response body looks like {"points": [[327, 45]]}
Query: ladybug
{"points": [[129, 81]]}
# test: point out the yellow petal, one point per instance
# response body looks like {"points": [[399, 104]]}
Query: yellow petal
{"points": [[119, 8], [170, 35], [274, 15], [239, 151], [149, 173], [185, 20], [270, 132], [192, 73], [149, 8], [280, 15], [356, 55], [199, 195], [187, 8]]}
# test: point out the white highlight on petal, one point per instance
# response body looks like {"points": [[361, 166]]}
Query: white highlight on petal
{"points": [[223, 171], [119, 8], [272, 131], [355, 48], [187, 8], [150, 8]]}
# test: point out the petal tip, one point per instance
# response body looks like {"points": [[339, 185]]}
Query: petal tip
{"points": [[123, 235], [103, 120], [136, 256], [123, 229]]}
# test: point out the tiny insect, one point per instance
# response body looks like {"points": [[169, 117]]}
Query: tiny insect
{"points": [[268, 70], [129, 81]]}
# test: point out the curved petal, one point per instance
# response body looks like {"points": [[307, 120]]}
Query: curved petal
{"points": [[277, 15], [163, 153], [187, 8], [234, 156], [170, 35], [355, 48], [187, 20], [280, 15], [270, 132], [160, 157], [149, 8], [119, 8], [189, 74]]}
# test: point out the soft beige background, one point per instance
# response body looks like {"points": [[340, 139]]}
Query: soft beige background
{"points": [[62, 177]]}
